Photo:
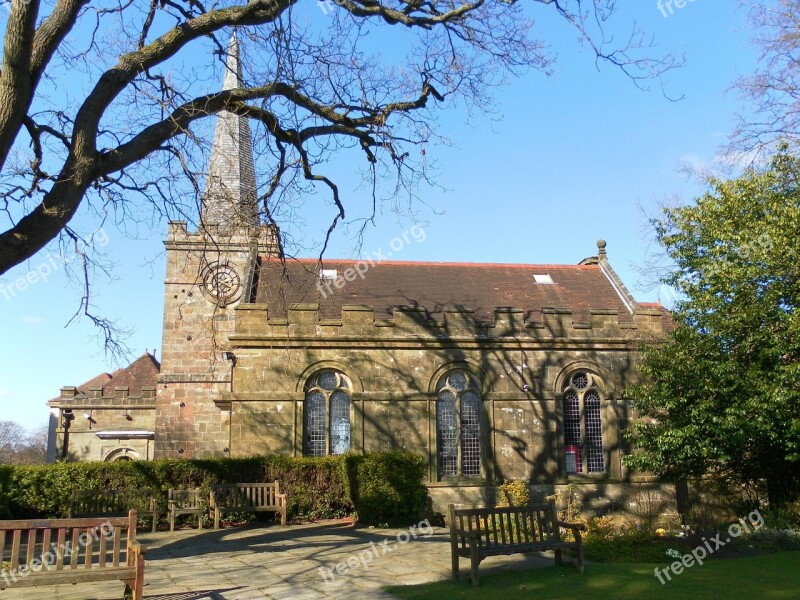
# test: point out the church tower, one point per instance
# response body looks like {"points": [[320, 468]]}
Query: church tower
{"points": [[209, 272]]}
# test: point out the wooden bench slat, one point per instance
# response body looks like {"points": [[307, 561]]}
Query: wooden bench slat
{"points": [[15, 549], [30, 547], [62, 536], [74, 548], [26, 524], [117, 536], [88, 551], [79, 576], [103, 551], [45, 545]]}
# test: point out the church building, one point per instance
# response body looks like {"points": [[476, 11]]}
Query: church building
{"points": [[494, 372]]}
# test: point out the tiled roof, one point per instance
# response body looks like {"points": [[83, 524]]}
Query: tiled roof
{"points": [[434, 286], [140, 373]]}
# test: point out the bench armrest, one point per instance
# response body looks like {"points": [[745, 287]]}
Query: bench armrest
{"points": [[567, 525], [135, 548], [281, 499]]}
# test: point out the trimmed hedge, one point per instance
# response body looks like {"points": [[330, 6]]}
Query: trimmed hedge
{"points": [[387, 488], [383, 487]]}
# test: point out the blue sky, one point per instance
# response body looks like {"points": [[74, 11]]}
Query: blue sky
{"points": [[576, 157]]}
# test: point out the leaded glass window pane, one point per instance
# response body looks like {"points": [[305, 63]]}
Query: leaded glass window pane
{"points": [[594, 433], [572, 431], [316, 423], [448, 440], [470, 434], [340, 422]]}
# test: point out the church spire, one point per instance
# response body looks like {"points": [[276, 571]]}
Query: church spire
{"points": [[230, 196]]}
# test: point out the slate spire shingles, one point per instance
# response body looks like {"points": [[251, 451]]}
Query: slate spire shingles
{"points": [[230, 199]]}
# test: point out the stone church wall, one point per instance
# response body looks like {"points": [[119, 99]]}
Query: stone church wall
{"points": [[394, 366]]}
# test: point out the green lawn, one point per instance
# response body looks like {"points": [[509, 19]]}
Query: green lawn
{"points": [[763, 577]]}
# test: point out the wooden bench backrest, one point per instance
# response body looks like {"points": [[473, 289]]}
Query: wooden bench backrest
{"points": [[110, 502], [187, 499], [250, 495], [65, 544], [503, 525]]}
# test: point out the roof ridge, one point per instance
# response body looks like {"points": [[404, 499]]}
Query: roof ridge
{"points": [[430, 263]]}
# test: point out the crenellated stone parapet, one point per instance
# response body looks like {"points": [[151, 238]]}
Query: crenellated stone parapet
{"points": [[303, 321]]}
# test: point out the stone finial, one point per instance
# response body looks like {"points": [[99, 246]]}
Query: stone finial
{"points": [[601, 247]]}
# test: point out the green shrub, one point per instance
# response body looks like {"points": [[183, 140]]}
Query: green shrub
{"points": [[381, 487], [387, 487]]}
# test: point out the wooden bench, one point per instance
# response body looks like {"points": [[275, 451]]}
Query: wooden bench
{"points": [[247, 497], [59, 551], [186, 502], [113, 503], [478, 532]]}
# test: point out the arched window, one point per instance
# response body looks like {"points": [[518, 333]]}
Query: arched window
{"points": [[458, 424], [583, 430], [327, 414]]}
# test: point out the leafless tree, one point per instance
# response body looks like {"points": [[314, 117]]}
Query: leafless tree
{"points": [[104, 103], [20, 448], [772, 93], [12, 436]]}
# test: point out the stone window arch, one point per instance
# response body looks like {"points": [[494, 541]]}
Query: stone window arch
{"points": [[458, 424], [326, 413], [122, 453], [582, 397]]}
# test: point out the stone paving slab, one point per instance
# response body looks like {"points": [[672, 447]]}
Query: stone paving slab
{"points": [[316, 561]]}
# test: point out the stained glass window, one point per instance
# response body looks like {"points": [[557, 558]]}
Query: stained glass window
{"points": [[326, 414], [458, 421], [583, 430]]}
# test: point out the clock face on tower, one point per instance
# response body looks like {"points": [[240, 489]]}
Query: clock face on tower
{"points": [[222, 283]]}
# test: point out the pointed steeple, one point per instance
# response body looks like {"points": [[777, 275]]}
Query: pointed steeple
{"points": [[230, 197]]}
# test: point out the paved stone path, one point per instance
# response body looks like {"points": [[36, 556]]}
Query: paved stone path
{"points": [[292, 562]]}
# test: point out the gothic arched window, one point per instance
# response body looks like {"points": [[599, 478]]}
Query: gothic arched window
{"points": [[458, 424], [583, 428], [326, 414]]}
